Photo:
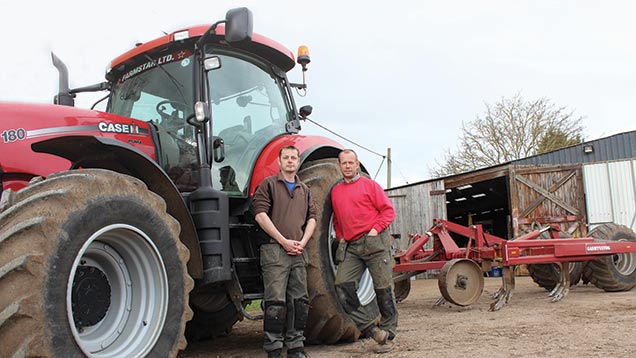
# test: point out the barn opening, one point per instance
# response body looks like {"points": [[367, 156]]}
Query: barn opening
{"points": [[483, 202]]}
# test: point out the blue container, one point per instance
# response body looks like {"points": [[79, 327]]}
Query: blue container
{"points": [[495, 272]]}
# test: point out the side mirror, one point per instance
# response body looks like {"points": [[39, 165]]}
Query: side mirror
{"points": [[238, 25], [305, 111]]}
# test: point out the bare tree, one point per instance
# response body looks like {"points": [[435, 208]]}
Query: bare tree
{"points": [[509, 130]]}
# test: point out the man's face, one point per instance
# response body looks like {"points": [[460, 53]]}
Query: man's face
{"points": [[348, 164], [289, 161]]}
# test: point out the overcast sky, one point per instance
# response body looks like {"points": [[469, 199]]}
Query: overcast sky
{"points": [[399, 74]]}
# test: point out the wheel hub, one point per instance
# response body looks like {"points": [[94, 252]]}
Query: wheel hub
{"points": [[462, 282], [90, 296]]}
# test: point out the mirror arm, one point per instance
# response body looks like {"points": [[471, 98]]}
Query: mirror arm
{"points": [[211, 31]]}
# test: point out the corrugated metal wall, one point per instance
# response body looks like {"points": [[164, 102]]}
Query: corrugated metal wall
{"points": [[416, 206], [610, 189]]}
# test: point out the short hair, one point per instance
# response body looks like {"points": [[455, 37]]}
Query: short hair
{"points": [[288, 147], [346, 151]]}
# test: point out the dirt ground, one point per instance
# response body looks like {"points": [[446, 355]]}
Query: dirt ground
{"points": [[587, 323]]}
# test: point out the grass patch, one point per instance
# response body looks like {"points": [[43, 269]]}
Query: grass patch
{"points": [[254, 306]]}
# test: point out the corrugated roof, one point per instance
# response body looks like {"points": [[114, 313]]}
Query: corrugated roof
{"points": [[616, 147]]}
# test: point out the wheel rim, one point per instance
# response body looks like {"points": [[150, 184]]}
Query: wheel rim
{"points": [[625, 264], [137, 283], [366, 292], [572, 267], [461, 282]]}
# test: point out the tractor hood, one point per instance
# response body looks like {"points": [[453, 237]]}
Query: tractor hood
{"points": [[24, 124]]}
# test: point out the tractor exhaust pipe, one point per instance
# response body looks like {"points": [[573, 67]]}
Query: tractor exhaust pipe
{"points": [[64, 96]]}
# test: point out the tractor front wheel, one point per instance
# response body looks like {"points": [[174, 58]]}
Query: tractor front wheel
{"points": [[91, 265]]}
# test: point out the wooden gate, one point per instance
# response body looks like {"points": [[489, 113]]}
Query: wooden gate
{"points": [[543, 195]]}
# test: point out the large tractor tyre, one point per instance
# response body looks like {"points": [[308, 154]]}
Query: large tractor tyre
{"points": [[328, 323], [617, 272], [91, 265], [548, 275]]}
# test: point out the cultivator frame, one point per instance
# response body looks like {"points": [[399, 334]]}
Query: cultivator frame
{"points": [[461, 278]]}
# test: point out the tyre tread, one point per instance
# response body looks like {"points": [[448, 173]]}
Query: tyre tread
{"points": [[327, 323]]}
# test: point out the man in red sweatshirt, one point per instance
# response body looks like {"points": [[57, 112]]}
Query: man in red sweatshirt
{"points": [[362, 212]]}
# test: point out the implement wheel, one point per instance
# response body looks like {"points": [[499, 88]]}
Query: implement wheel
{"points": [[402, 290], [461, 281], [616, 272], [549, 275]]}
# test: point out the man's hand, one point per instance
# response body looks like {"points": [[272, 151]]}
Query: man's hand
{"points": [[372, 232], [292, 247]]}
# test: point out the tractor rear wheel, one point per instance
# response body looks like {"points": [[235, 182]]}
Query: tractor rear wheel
{"points": [[328, 322], [617, 272], [91, 265]]}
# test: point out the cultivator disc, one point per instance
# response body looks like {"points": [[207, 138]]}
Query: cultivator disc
{"points": [[461, 282]]}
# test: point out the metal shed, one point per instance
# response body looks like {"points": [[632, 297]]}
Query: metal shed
{"points": [[575, 187]]}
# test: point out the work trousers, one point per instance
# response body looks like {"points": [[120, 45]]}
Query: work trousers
{"points": [[285, 280], [372, 253]]}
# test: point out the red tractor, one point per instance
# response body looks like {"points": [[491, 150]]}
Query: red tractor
{"points": [[125, 231]]}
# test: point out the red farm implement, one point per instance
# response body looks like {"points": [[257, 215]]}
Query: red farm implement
{"points": [[606, 259]]}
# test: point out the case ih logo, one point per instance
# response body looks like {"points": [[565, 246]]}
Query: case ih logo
{"points": [[597, 248], [118, 128]]}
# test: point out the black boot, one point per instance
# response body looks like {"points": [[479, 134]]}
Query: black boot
{"points": [[296, 353], [276, 353]]}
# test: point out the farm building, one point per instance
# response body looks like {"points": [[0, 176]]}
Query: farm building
{"points": [[576, 187]]}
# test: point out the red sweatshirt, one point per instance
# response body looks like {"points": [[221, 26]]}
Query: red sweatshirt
{"points": [[360, 206]]}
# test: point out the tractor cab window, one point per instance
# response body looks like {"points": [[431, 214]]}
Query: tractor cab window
{"points": [[159, 91], [249, 109]]}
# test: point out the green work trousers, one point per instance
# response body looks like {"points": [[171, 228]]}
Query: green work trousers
{"points": [[372, 253], [285, 280]]}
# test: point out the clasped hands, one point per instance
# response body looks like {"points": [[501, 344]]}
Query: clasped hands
{"points": [[293, 247]]}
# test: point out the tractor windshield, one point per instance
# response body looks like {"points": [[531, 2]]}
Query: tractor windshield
{"points": [[159, 90], [249, 108]]}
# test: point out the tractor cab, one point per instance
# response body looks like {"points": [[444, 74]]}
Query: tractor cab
{"points": [[236, 77], [248, 103]]}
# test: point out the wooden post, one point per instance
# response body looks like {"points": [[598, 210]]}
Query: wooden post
{"points": [[388, 168]]}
